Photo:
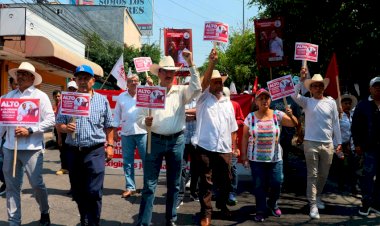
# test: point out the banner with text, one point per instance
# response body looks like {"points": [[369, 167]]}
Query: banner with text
{"points": [[215, 31], [140, 10], [75, 104], [152, 97], [306, 51], [281, 87], [19, 112]]}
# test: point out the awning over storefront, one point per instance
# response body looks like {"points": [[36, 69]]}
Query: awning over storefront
{"points": [[45, 55]]}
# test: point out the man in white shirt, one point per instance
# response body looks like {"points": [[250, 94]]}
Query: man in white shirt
{"points": [[30, 145], [132, 135], [319, 140], [214, 137], [167, 138]]}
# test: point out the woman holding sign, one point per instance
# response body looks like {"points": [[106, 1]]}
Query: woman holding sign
{"points": [[261, 150]]}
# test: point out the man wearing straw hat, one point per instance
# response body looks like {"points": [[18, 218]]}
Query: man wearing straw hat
{"points": [[318, 142], [215, 139], [167, 138], [29, 148]]}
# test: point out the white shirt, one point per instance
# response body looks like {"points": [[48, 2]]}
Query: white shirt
{"points": [[215, 123], [172, 119], [321, 118], [125, 115], [34, 141]]}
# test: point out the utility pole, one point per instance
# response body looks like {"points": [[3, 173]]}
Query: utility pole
{"points": [[160, 37], [243, 17]]}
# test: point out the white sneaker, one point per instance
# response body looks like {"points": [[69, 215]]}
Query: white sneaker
{"points": [[314, 212], [320, 204]]}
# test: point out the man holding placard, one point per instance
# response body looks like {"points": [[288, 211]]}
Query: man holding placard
{"points": [[167, 137], [87, 136], [26, 144]]}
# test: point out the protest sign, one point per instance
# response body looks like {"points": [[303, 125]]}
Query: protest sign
{"points": [[152, 97], [281, 87], [215, 31], [142, 64], [306, 51], [19, 112], [75, 104]]}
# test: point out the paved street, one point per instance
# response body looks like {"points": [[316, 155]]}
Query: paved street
{"points": [[340, 210]]}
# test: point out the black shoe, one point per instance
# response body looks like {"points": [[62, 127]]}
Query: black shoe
{"points": [[45, 219], [170, 223], [2, 189]]}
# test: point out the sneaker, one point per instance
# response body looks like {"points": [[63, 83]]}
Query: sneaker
{"points": [[259, 217], [179, 203], [2, 189], [276, 212], [364, 210], [320, 204], [45, 219], [187, 186], [314, 214], [232, 200], [194, 197]]}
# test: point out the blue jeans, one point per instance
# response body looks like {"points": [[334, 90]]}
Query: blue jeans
{"points": [[129, 144], [266, 174], [172, 150], [371, 188], [235, 178]]}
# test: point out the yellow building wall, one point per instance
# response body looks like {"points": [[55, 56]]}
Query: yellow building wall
{"points": [[132, 36]]}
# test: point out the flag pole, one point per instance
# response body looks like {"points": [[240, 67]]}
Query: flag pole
{"points": [[105, 81]]}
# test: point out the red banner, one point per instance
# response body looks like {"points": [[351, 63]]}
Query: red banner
{"points": [[75, 104], [215, 31]]}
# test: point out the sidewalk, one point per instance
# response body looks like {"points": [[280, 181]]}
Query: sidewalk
{"points": [[340, 209]]}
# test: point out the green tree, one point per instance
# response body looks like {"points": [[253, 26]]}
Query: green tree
{"points": [[349, 28], [106, 54]]}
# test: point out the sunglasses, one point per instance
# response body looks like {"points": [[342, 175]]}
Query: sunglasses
{"points": [[318, 86]]}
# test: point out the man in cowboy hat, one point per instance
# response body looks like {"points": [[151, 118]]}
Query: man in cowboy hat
{"points": [[215, 139], [167, 137], [366, 133], [30, 145], [319, 140]]}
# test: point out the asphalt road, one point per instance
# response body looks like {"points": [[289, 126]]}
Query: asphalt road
{"points": [[341, 207]]}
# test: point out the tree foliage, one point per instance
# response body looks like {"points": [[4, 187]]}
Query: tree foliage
{"points": [[106, 54], [350, 28]]}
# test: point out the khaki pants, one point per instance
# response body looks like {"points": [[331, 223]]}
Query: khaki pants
{"points": [[318, 158]]}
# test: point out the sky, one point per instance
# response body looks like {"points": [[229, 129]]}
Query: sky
{"points": [[192, 14]]}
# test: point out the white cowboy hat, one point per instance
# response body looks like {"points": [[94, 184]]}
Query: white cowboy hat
{"points": [[167, 63], [316, 78], [215, 75], [352, 97], [26, 66]]}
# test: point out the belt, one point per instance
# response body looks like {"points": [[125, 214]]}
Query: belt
{"points": [[168, 137], [88, 149]]}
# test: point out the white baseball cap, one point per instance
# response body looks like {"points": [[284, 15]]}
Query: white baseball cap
{"points": [[373, 81], [72, 84]]}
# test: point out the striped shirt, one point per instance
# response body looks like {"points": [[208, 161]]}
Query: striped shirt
{"points": [[90, 130]]}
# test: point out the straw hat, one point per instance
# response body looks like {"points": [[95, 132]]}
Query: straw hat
{"points": [[316, 78], [26, 66], [167, 63], [216, 75], [349, 96]]}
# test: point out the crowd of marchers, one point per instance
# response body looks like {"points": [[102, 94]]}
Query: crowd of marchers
{"points": [[199, 121]]}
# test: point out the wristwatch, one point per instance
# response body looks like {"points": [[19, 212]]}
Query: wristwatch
{"points": [[30, 130], [110, 145]]}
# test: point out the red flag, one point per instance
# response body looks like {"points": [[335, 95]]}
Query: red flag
{"points": [[332, 73], [175, 82], [255, 85]]}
